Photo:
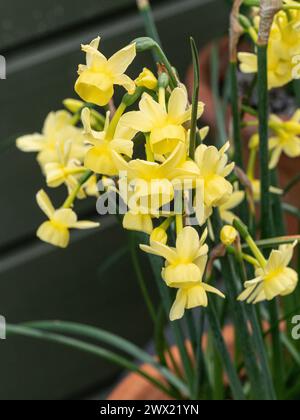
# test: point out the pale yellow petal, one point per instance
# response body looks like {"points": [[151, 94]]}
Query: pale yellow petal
{"points": [[126, 82], [178, 308], [31, 143], [45, 204], [122, 59]]}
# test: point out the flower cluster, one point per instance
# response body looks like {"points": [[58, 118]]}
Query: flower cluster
{"points": [[143, 154], [283, 48]]}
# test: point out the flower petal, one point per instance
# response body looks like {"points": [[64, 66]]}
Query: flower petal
{"points": [[45, 204], [122, 59]]}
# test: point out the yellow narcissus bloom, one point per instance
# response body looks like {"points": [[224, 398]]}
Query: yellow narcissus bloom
{"points": [[99, 158], [274, 279], [184, 270], [152, 183], [234, 201], [65, 170], [213, 168], [165, 124], [286, 138], [228, 235], [58, 129], [56, 230], [147, 79], [284, 45], [97, 78]]}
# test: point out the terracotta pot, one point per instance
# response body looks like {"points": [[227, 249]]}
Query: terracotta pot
{"points": [[288, 168], [135, 388]]}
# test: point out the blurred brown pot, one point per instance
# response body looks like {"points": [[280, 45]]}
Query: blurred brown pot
{"points": [[135, 388], [288, 168]]}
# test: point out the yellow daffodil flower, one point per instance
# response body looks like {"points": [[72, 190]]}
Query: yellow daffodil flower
{"points": [[234, 201], [58, 129], [165, 125], [97, 78], [215, 190], [284, 45], [56, 230], [99, 158], [286, 138], [153, 183], [147, 79], [184, 270], [65, 170], [228, 235], [274, 279]]}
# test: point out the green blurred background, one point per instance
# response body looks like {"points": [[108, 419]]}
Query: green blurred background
{"points": [[92, 281]]}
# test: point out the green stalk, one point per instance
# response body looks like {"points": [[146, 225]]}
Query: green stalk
{"points": [[259, 387], [263, 107], [149, 23], [196, 89], [157, 264], [236, 115], [72, 197], [234, 381], [215, 79], [140, 276], [145, 44], [291, 184]]}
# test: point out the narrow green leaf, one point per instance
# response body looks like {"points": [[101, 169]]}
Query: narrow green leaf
{"points": [[109, 339], [234, 380], [85, 347], [196, 88], [215, 85]]}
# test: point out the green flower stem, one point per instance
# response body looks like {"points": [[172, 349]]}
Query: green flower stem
{"points": [[234, 381], [291, 184], [196, 88], [107, 355], [140, 276], [72, 197], [274, 242], [248, 346], [266, 214], [149, 23], [114, 122], [149, 153], [238, 150], [221, 137], [146, 44], [242, 256], [252, 164], [244, 232], [156, 264], [179, 223]]}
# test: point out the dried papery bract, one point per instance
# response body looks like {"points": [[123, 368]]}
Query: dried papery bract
{"points": [[268, 9], [142, 4], [235, 30]]}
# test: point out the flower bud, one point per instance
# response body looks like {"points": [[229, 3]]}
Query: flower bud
{"points": [[147, 79], [159, 235], [228, 235], [73, 105]]}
